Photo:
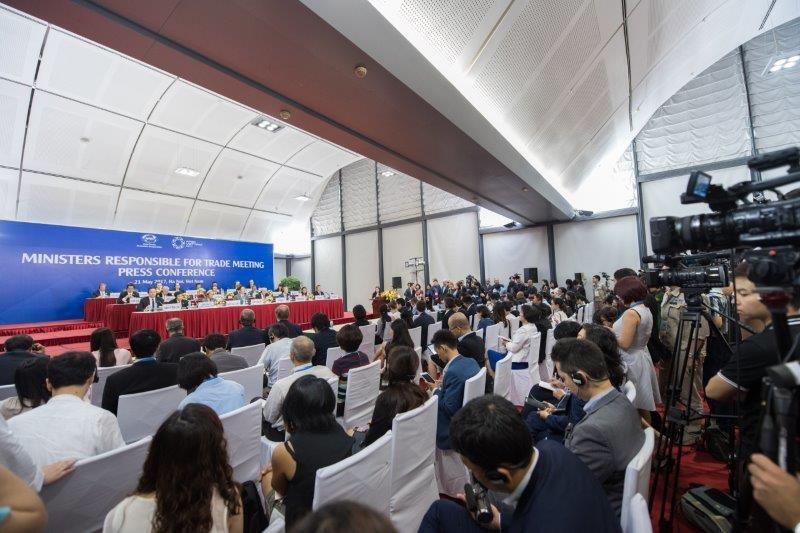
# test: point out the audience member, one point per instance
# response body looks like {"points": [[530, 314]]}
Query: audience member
{"points": [[422, 321], [18, 348], [282, 314], [22, 508], [103, 345], [301, 353], [470, 344], [360, 314], [607, 342], [605, 316], [66, 427], [343, 516], [485, 316], [548, 488], [324, 337], [468, 307], [177, 344], [14, 457], [197, 375], [214, 348], [349, 338], [30, 382], [400, 337], [316, 441], [520, 344], [277, 349], [559, 315], [450, 310], [186, 483], [143, 375], [383, 323], [610, 434], [248, 334]]}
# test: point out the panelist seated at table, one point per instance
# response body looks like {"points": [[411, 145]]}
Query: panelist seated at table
{"points": [[236, 286], [177, 289], [199, 287], [101, 291], [182, 299], [126, 295], [151, 302], [240, 295], [166, 296], [252, 288], [318, 291]]}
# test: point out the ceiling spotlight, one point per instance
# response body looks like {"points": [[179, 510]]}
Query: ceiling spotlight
{"points": [[240, 177], [285, 114], [524, 189], [85, 139], [184, 171], [387, 173], [266, 124], [783, 63], [583, 213], [360, 71], [302, 198]]}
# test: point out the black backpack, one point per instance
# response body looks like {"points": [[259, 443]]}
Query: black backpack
{"points": [[255, 520]]}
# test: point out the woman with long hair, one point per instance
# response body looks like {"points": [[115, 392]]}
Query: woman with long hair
{"points": [[103, 346], [385, 320], [400, 337], [500, 316], [186, 483], [30, 382], [559, 315], [360, 314]]}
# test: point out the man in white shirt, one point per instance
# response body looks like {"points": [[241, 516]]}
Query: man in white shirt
{"points": [[300, 352], [278, 348], [14, 457], [66, 426]]}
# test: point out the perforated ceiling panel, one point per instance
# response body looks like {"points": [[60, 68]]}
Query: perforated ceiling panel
{"points": [[436, 200], [9, 179], [250, 174], [327, 214], [359, 194], [282, 190], [616, 186], [398, 195], [14, 98], [276, 146], [225, 221], [64, 201], [156, 213], [21, 38], [321, 158]]}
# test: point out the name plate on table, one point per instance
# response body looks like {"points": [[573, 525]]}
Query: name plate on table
{"points": [[113, 295], [280, 299], [295, 293], [134, 300], [332, 296], [321, 297], [201, 305], [233, 303], [171, 307], [300, 298]]}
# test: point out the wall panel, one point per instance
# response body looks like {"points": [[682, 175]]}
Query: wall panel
{"points": [[453, 246], [328, 264], [595, 246], [301, 269], [509, 252], [278, 270], [401, 243], [362, 267]]}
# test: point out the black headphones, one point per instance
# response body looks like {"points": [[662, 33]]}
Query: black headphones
{"points": [[577, 378], [493, 475]]}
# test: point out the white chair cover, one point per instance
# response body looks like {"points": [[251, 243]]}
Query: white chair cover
{"points": [[418, 375], [368, 349], [432, 314], [334, 383], [513, 323], [589, 312], [523, 379], [251, 378], [364, 477], [416, 335], [451, 474], [140, 414], [9, 391], [492, 334], [638, 518], [80, 501], [475, 386], [413, 474], [547, 367], [637, 476], [630, 391], [251, 354], [285, 367], [432, 329], [243, 433], [363, 386], [368, 332], [333, 354], [96, 392], [502, 377]]}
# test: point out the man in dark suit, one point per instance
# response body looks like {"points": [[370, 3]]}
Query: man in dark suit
{"points": [[126, 295], [548, 488], [248, 334], [143, 375], [324, 337], [610, 434], [469, 308], [470, 344], [18, 349], [423, 320], [151, 302], [177, 345], [282, 314], [450, 306], [101, 291]]}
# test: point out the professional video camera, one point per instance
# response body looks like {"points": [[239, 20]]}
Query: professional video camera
{"points": [[699, 271]]}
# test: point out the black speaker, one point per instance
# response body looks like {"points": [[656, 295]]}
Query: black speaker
{"points": [[397, 283], [530, 273], [578, 277]]}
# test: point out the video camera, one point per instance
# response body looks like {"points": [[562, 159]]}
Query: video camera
{"points": [[699, 271]]}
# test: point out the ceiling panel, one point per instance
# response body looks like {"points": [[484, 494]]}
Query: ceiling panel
{"points": [[261, 226], [20, 43], [322, 158], [65, 201], [77, 140], [147, 211], [14, 101], [236, 178], [160, 152], [87, 72], [199, 113], [280, 193], [276, 146], [217, 221], [9, 179]]}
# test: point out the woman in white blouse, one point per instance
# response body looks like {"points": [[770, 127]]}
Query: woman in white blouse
{"points": [[558, 316], [104, 348], [524, 350]]}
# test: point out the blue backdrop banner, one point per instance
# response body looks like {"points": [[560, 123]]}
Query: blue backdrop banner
{"points": [[47, 271]]}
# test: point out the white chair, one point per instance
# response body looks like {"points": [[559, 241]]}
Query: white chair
{"points": [[432, 314], [285, 367], [333, 354], [97, 388], [475, 386], [8, 391], [491, 337], [416, 335], [513, 324], [80, 501], [368, 332], [140, 414], [364, 477], [638, 518], [418, 375], [547, 367], [251, 354], [523, 379], [368, 349], [413, 475], [432, 329], [334, 383], [363, 386], [251, 378], [637, 476], [502, 377], [243, 433], [630, 391]]}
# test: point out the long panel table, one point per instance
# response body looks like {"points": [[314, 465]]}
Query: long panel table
{"points": [[118, 316], [200, 322], [94, 308]]}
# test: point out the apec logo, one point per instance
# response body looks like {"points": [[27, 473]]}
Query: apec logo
{"points": [[179, 243], [148, 241]]}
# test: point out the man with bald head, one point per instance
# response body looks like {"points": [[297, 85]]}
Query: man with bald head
{"points": [[282, 314], [470, 344], [248, 334], [177, 345], [301, 352]]}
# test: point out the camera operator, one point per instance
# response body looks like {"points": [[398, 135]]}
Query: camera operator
{"points": [[562, 496], [777, 491]]}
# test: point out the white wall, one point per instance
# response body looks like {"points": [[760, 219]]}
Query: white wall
{"points": [[328, 264], [595, 246], [362, 267], [400, 243], [453, 247], [278, 270], [509, 252], [301, 269]]}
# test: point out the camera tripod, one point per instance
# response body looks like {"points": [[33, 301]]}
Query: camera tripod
{"points": [[678, 410]]}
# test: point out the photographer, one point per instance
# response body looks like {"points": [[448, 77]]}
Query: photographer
{"points": [[494, 444]]}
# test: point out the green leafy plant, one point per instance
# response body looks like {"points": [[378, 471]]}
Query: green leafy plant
{"points": [[290, 281]]}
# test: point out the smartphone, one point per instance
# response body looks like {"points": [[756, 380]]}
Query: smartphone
{"points": [[504, 338], [432, 350], [427, 377]]}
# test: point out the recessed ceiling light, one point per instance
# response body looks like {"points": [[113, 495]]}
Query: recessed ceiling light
{"points": [[783, 63], [794, 59], [239, 177], [85, 139], [302, 198], [387, 173], [184, 171], [266, 124]]}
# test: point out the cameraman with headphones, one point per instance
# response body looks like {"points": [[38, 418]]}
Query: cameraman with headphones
{"points": [[549, 489], [610, 434]]}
